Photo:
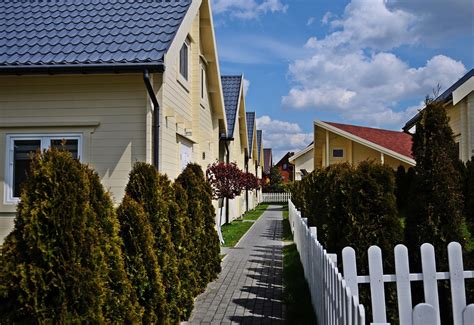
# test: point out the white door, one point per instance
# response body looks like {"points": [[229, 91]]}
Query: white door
{"points": [[186, 153]]}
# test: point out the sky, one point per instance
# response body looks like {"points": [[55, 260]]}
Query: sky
{"points": [[363, 62]]}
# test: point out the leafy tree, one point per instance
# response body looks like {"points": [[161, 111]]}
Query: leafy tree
{"points": [[275, 183], [469, 194], [59, 263], [145, 187], [141, 261]]}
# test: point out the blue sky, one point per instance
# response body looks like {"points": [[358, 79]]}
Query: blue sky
{"points": [[365, 62]]}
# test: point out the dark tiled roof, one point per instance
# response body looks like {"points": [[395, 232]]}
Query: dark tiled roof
{"points": [[259, 144], [250, 129], [399, 142], [284, 159], [444, 97], [231, 87], [87, 32], [267, 160]]}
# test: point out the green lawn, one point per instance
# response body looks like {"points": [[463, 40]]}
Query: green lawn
{"points": [[296, 291], [236, 229]]}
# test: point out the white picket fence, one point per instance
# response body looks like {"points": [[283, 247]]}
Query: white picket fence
{"points": [[275, 197], [335, 297], [331, 298]]}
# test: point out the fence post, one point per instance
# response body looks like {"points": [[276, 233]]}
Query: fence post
{"points": [[402, 273], [430, 284], [468, 315], [377, 290], [456, 278], [424, 314], [349, 268]]}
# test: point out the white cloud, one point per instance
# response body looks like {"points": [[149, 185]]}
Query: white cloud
{"points": [[326, 18], [352, 72], [310, 21], [246, 86], [282, 136], [248, 9]]}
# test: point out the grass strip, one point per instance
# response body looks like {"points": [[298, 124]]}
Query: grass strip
{"points": [[296, 293], [236, 229]]}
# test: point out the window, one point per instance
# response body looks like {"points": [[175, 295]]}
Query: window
{"points": [[183, 60], [338, 153], [19, 150], [203, 81]]}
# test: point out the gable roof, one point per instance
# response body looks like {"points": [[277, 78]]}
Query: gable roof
{"points": [[267, 160], [250, 130], [302, 152], [285, 158], [231, 87], [445, 97], [394, 143], [259, 145], [87, 33]]}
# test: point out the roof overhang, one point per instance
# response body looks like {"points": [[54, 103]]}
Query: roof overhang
{"points": [[81, 68], [292, 159], [365, 142]]}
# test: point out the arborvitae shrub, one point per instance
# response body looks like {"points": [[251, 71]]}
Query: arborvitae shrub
{"points": [[56, 265], [201, 211], [436, 210], [141, 261], [144, 187]]}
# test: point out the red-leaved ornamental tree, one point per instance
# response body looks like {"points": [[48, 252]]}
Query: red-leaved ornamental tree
{"points": [[250, 182], [226, 182]]}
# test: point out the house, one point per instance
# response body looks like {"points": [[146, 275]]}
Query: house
{"points": [[267, 164], [119, 81], [339, 143], [259, 162], [303, 162], [252, 159], [285, 168], [459, 102], [236, 140]]}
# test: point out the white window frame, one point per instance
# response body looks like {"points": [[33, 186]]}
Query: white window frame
{"points": [[45, 139], [185, 82], [343, 153], [203, 84]]}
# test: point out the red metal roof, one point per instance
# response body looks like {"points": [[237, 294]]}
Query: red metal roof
{"points": [[397, 141]]}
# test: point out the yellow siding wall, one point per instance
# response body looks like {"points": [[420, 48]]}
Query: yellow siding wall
{"points": [[305, 161], [111, 110], [470, 126], [461, 121]]}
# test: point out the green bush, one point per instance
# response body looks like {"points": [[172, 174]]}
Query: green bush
{"points": [[141, 261], [145, 187], [205, 252], [469, 194], [59, 263]]}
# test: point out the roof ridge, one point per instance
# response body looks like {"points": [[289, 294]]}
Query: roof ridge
{"points": [[365, 127]]}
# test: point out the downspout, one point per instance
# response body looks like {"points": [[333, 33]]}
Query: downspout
{"points": [[156, 119]]}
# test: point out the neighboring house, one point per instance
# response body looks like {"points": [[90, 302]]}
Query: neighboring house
{"points": [[260, 154], [285, 168], [303, 162], [143, 87], [267, 164], [236, 142], [338, 143], [459, 102], [252, 159]]}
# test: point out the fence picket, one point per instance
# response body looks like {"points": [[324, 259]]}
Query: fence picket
{"points": [[424, 314], [456, 278], [402, 272], [430, 284], [349, 268], [377, 290], [468, 315]]}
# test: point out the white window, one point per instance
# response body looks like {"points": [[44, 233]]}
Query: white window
{"points": [[19, 150], [184, 60], [203, 82], [338, 153]]}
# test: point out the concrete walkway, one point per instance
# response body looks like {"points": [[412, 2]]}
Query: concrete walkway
{"points": [[249, 288]]}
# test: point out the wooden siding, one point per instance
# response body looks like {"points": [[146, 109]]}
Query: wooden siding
{"points": [[305, 161], [109, 111]]}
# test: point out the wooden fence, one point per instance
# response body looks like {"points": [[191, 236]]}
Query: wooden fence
{"points": [[335, 297], [275, 197], [331, 298]]}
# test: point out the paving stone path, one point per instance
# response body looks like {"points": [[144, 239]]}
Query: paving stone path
{"points": [[249, 288]]}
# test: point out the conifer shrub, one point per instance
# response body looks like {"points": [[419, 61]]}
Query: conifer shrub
{"points": [[145, 188], [141, 261], [206, 252], [469, 195], [58, 263]]}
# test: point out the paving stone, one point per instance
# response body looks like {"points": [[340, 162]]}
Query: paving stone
{"points": [[249, 288]]}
